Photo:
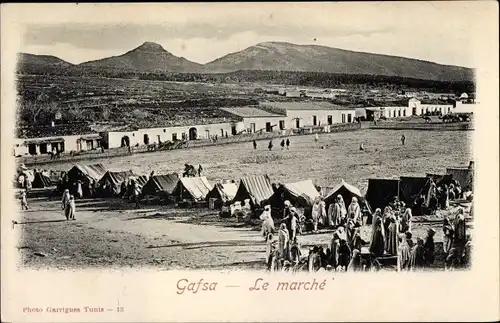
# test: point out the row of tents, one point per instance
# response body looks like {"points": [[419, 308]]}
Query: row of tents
{"points": [[259, 190]]}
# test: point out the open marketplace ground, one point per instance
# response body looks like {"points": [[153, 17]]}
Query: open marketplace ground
{"points": [[340, 158], [111, 233]]}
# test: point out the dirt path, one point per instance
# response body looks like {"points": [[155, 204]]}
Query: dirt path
{"points": [[111, 233]]}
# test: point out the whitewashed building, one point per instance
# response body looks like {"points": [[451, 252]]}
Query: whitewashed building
{"points": [[46, 145], [313, 113], [147, 136], [257, 120]]}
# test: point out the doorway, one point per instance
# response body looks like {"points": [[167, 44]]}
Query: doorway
{"points": [[43, 148], [146, 139], [349, 118], [193, 133], [233, 130], [125, 141], [297, 123], [252, 127], [268, 127], [315, 120], [330, 120], [32, 149]]}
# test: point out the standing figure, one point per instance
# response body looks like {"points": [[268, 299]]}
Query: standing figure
{"points": [[406, 218], [270, 146], [404, 253], [403, 138], [65, 199], [377, 243], [295, 252], [334, 250], [24, 200], [200, 169], [293, 223], [270, 249], [136, 194], [287, 143], [283, 242], [315, 213], [391, 243], [449, 233], [28, 184], [460, 237], [418, 256], [429, 247], [79, 189], [286, 209], [123, 188], [282, 144], [316, 139], [70, 209], [354, 212], [267, 221], [445, 198], [254, 144]]}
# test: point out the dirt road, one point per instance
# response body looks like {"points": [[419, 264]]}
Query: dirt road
{"points": [[111, 233]]}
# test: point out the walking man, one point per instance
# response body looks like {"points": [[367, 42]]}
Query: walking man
{"points": [[287, 143], [403, 138], [254, 144]]}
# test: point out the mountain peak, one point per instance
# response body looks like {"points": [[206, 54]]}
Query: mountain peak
{"points": [[151, 46]]}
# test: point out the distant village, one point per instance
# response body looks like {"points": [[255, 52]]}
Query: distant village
{"points": [[297, 108]]}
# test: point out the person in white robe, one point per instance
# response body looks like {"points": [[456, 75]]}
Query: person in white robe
{"points": [[354, 212], [283, 242], [65, 198], [267, 221], [315, 213]]}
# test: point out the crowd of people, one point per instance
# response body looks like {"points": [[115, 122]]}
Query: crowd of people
{"points": [[391, 239]]}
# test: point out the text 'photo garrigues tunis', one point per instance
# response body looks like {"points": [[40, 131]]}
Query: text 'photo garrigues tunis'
{"points": [[289, 150]]}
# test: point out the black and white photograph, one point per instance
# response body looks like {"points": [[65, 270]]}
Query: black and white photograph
{"points": [[323, 138], [285, 154]]}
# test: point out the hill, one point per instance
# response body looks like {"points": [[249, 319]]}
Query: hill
{"points": [[30, 63], [282, 56], [149, 57]]}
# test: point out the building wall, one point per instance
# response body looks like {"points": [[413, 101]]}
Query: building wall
{"points": [[391, 112], [444, 108], [465, 107], [165, 134], [306, 117], [260, 123], [423, 108], [71, 143]]}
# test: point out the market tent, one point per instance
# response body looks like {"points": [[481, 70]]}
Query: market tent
{"points": [[223, 191], [141, 179], [381, 192], [464, 176], [301, 193], [411, 187], [41, 180], [110, 183], [256, 188], [192, 188], [440, 179], [347, 191], [86, 173], [160, 184]]}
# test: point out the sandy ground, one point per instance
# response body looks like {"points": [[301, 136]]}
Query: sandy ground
{"points": [[424, 152], [111, 233]]}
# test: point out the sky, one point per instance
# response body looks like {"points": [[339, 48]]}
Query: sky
{"points": [[440, 32]]}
